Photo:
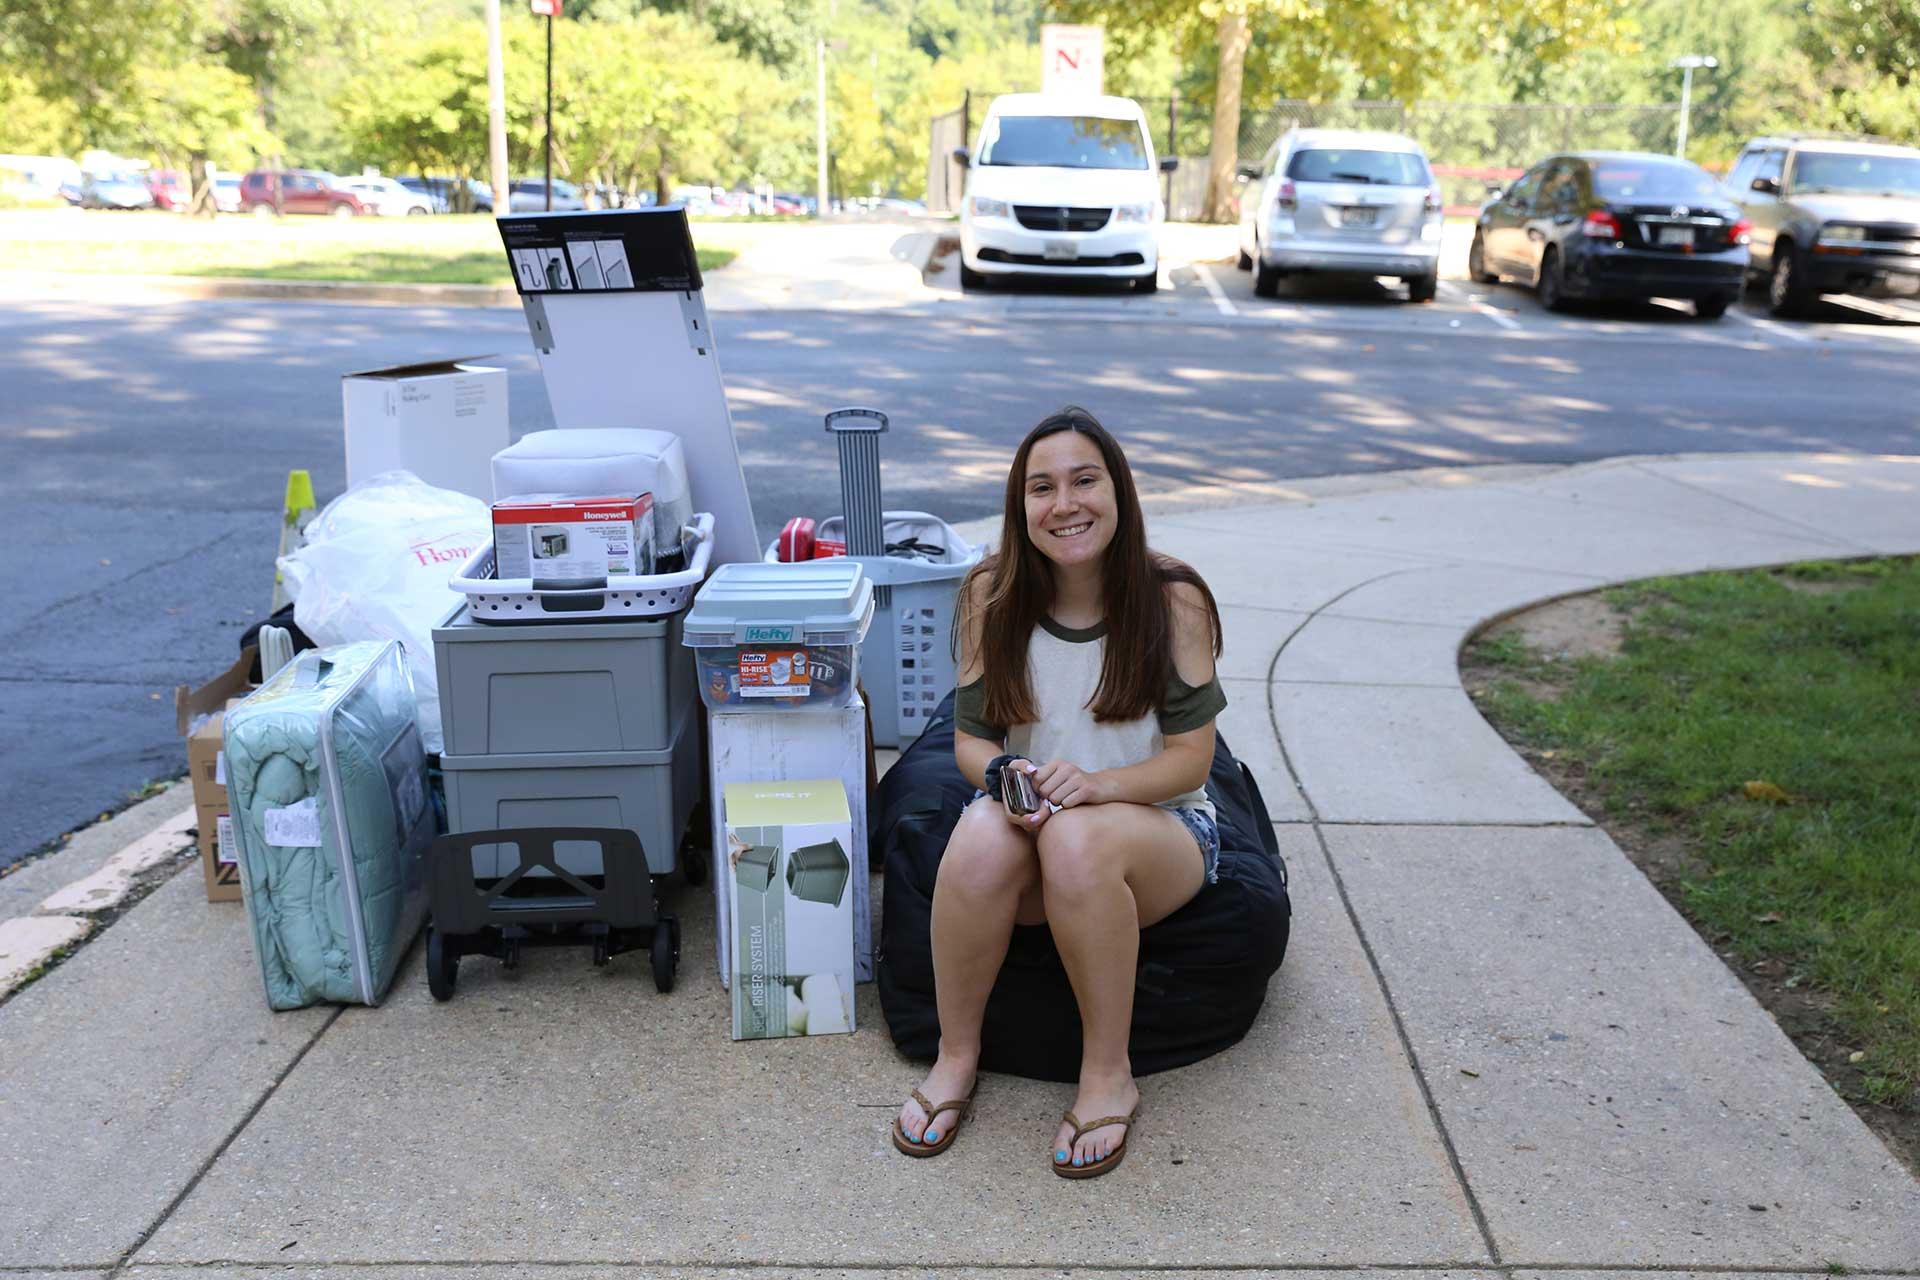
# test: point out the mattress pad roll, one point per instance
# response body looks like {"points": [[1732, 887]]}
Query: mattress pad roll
{"points": [[327, 778]]}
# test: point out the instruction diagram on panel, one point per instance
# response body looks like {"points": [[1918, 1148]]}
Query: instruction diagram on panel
{"points": [[577, 265], [543, 270]]}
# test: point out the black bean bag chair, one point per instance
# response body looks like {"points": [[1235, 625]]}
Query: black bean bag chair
{"points": [[1203, 970]]}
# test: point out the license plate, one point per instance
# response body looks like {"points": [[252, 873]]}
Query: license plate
{"points": [[1358, 217], [1673, 235], [1060, 251]]}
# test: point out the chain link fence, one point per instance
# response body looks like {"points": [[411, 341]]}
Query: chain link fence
{"points": [[1471, 146]]}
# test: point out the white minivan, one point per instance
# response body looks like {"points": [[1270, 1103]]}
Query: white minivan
{"points": [[1062, 186]]}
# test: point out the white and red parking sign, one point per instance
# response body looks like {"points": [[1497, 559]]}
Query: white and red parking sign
{"points": [[1072, 59], [545, 8]]}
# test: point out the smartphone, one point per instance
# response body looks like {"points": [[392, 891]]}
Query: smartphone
{"points": [[1016, 790]]}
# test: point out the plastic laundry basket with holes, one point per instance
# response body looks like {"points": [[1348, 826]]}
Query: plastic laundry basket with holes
{"points": [[491, 599], [906, 661]]}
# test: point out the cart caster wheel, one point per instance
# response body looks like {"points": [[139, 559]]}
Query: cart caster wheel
{"points": [[665, 958], [602, 952], [673, 927], [510, 957], [443, 965]]}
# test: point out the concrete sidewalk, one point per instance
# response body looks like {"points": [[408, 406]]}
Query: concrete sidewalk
{"points": [[1493, 1049]]}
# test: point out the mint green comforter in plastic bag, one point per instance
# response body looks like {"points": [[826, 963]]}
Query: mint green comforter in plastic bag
{"points": [[327, 781]]}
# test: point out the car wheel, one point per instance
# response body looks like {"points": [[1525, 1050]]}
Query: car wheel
{"points": [[342, 211], [261, 211], [417, 212], [1245, 262], [1787, 294], [1552, 285], [1149, 283], [1712, 308], [1477, 262], [1266, 280], [1423, 288], [971, 279]]}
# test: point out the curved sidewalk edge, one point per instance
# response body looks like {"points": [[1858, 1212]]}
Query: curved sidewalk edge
{"points": [[1612, 1093]]}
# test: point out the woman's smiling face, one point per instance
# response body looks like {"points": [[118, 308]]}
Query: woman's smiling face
{"points": [[1069, 499]]}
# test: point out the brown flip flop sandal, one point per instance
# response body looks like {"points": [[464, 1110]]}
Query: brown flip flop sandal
{"points": [[923, 1149], [1114, 1157]]}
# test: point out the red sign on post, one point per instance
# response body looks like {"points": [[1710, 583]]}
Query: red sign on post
{"points": [[546, 8]]}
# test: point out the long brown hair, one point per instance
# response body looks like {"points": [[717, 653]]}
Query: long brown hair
{"points": [[1138, 662]]}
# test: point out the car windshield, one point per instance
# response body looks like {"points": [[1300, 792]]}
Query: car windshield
{"points": [[1653, 181], [1385, 168], [1856, 174], [1066, 142]]}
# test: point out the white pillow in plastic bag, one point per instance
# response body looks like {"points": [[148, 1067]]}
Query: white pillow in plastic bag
{"points": [[375, 566]]}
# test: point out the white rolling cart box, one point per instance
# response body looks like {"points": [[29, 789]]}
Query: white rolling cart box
{"points": [[443, 421]]}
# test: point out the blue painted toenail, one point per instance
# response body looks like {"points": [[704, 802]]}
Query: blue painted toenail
{"points": [[1060, 1155], [1077, 1162], [933, 1135]]}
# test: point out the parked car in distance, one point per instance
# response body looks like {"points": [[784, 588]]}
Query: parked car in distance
{"points": [[226, 193], [114, 191], [1062, 186], [170, 189], [1342, 201], [299, 191], [529, 195], [388, 198], [1615, 224], [445, 193], [1830, 216]]}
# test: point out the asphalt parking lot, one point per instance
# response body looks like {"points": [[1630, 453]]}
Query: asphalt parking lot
{"points": [[1212, 291]]}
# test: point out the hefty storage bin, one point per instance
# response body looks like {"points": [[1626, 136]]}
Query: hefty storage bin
{"points": [[327, 780], [775, 636], [650, 793], [560, 686]]}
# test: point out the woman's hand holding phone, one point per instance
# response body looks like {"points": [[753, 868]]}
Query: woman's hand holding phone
{"points": [[1066, 784]]}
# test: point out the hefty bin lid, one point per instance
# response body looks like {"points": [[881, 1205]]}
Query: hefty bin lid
{"points": [[816, 602]]}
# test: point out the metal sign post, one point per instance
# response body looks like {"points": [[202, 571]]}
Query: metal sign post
{"points": [[551, 9]]}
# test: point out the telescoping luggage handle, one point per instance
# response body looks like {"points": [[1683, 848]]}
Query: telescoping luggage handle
{"points": [[857, 430]]}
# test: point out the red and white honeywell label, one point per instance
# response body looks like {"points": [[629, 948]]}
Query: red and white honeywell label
{"points": [[553, 537]]}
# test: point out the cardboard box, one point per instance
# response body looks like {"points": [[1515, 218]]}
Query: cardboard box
{"points": [[443, 421], [199, 715], [789, 845], [550, 537]]}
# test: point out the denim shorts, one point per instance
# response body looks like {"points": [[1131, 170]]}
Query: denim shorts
{"points": [[1206, 834]]}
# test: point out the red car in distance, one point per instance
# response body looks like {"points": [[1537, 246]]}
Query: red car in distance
{"points": [[299, 191]]}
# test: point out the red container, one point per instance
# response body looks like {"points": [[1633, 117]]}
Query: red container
{"points": [[796, 540]]}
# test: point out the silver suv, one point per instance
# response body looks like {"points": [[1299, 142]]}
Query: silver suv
{"points": [[1342, 201], [1830, 216]]}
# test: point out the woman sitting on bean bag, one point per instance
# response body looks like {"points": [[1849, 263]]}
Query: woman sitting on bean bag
{"points": [[1086, 665]]}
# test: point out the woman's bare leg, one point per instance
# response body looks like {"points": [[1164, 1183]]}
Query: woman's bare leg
{"points": [[988, 867], [1106, 872]]}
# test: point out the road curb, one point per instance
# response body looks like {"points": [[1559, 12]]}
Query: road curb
{"points": [[202, 288]]}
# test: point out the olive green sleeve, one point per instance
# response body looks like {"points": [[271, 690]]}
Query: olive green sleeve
{"points": [[1188, 708], [970, 712]]}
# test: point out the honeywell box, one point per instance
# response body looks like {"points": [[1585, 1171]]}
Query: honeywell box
{"points": [[550, 537], [199, 715], [443, 421], [788, 845]]}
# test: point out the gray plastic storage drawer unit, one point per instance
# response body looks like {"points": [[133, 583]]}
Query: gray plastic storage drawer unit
{"points": [[818, 873], [650, 793], [535, 688]]}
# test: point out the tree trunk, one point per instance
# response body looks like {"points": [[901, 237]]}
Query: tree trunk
{"points": [[1223, 159], [199, 187]]}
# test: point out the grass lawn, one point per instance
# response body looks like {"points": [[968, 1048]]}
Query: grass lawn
{"points": [[433, 250], [1763, 728]]}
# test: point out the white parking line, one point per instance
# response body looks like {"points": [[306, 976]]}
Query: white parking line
{"points": [[1214, 291], [1499, 317], [1770, 326]]}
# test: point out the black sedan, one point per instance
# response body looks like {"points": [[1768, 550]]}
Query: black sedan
{"points": [[1615, 224]]}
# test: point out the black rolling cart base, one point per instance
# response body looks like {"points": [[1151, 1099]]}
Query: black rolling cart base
{"points": [[497, 917]]}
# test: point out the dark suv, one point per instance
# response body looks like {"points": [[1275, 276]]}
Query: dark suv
{"points": [[1831, 216], [265, 191]]}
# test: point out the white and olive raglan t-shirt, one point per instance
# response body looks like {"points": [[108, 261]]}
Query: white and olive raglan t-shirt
{"points": [[1063, 670]]}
